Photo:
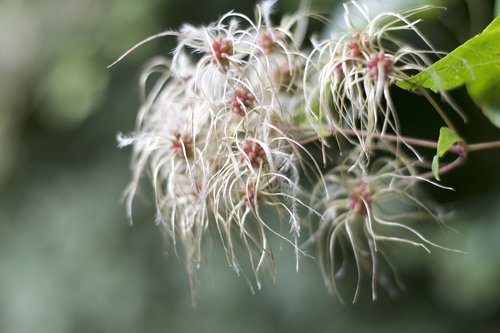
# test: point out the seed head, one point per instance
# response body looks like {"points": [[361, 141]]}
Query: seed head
{"points": [[355, 70], [363, 209]]}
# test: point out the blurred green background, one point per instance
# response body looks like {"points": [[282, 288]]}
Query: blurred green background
{"points": [[69, 262]]}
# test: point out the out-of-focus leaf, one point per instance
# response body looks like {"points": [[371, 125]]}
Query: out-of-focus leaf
{"points": [[486, 93], [435, 167]]}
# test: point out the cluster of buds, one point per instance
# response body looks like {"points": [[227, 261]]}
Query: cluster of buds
{"points": [[241, 101], [379, 64], [182, 145], [222, 49], [224, 135], [253, 153], [360, 199]]}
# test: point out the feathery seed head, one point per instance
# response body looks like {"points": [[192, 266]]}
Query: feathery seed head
{"points": [[364, 210], [348, 76]]}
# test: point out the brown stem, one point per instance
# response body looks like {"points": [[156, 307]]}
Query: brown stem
{"points": [[460, 149], [308, 140], [387, 137], [445, 168], [483, 146]]}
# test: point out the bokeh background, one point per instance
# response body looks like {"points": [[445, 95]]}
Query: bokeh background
{"points": [[69, 261]]}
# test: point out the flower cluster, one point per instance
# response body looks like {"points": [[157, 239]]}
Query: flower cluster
{"points": [[224, 131], [365, 209], [211, 134]]}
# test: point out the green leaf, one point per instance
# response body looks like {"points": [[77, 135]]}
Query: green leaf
{"points": [[463, 64], [447, 138], [435, 167], [476, 63]]}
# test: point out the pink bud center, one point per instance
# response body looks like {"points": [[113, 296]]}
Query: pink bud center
{"points": [[356, 44], [249, 194], [222, 49], [241, 101], [253, 153], [182, 143], [379, 64], [360, 198]]}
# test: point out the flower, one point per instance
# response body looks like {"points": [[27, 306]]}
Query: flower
{"points": [[365, 209], [355, 69]]}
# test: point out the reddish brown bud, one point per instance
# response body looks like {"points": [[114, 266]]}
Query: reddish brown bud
{"points": [[267, 42], [249, 194], [379, 61], [242, 100], [182, 143], [360, 197], [222, 49], [253, 153]]}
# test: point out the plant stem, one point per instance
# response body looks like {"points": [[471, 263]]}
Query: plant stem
{"points": [[483, 146], [445, 168], [460, 150], [388, 137], [457, 149]]}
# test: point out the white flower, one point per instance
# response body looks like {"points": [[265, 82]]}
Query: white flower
{"points": [[355, 70], [364, 209]]}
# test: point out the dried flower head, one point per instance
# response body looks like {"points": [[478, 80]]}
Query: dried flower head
{"points": [[365, 209], [355, 69]]}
